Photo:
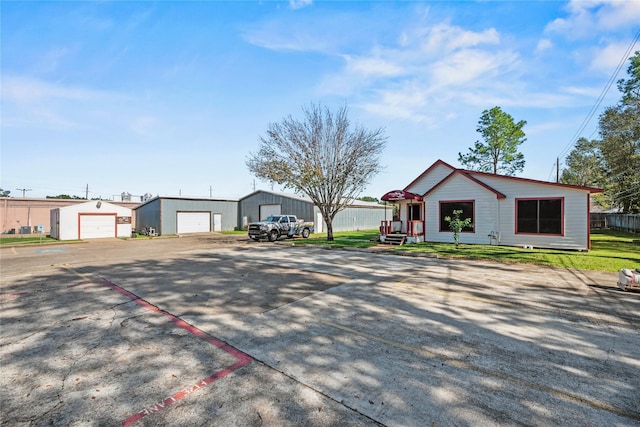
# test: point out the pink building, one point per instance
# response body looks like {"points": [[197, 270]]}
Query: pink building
{"points": [[25, 214]]}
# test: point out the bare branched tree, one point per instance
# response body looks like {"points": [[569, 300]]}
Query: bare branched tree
{"points": [[321, 156]]}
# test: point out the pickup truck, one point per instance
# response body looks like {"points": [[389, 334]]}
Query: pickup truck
{"points": [[276, 226]]}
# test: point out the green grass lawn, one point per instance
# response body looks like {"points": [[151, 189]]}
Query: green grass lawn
{"points": [[610, 250], [5, 240]]}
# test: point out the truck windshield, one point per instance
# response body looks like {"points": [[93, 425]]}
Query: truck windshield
{"points": [[273, 218]]}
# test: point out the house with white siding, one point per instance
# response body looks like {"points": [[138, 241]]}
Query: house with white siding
{"points": [[504, 210]]}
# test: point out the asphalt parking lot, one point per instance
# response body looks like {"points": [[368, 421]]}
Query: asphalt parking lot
{"points": [[211, 330]]}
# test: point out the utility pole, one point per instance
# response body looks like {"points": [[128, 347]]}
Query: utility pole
{"points": [[24, 190], [210, 192], [557, 169], [86, 193]]}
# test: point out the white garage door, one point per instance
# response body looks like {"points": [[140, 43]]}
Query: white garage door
{"points": [[194, 222], [267, 210], [97, 226]]}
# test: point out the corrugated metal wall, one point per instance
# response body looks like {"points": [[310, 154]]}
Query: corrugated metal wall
{"points": [[148, 215], [171, 206], [161, 213], [360, 218], [250, 206]]}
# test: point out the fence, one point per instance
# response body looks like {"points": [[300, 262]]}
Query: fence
{"points": [[623, 222], [598, 220]]}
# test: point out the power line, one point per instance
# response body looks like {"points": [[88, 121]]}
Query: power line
{"points": [[626, 192], [595, 107]]}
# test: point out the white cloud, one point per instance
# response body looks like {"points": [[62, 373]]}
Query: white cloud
{"points": [[586, 91], [373, 66], [27, 90], [608, 58], [295, 39], [428, 68], [587, 18], [469, 66], [299, 4], [143, 125], [543, 45], [439, 55], [448, 38], [503, 96], [407, 102], [436, 69], [32, 102]]}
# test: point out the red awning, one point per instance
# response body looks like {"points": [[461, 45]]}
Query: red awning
{"points": [[397, 195]]}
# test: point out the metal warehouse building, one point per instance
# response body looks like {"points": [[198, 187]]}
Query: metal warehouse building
{"points": [[358, 216], [181, 215]]}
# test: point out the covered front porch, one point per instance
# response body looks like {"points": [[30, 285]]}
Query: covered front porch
{"points": [[407, 226]]}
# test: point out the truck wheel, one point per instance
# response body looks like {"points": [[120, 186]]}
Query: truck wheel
{"points": [[255, 238], [305, 233], [273, 236]]}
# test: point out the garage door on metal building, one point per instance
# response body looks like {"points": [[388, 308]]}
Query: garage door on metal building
{"points": [[95, 226], [267, 210], [194, 222]]}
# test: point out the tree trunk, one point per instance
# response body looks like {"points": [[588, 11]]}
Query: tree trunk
{"points": [[329, 222]]}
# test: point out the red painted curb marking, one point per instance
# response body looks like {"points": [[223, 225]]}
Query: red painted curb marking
{"points": [[243, 359], [15, 294]]}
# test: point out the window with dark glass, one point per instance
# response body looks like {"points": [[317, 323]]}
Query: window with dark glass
{"points": [[541, 216], [447, 208], [414, 212]]}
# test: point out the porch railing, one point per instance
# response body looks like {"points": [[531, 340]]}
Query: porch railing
{"points": [[416, 228], [412, 228]]}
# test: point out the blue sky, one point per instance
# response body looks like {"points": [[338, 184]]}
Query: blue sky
{"points": [[170, 98]]}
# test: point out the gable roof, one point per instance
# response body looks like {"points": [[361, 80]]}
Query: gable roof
{"points": [[301, 197], [429, 169], [476, 176], [535, 181], [464, 174], [159, 197]]}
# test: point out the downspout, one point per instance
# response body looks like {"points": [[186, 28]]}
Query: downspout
{"points": [[498, 226], [410, 219], [588, 221], [4, 217], [384, 227], [424, 220]]}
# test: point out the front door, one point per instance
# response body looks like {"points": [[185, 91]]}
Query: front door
{"points": [[414, 213], [217, 222]]}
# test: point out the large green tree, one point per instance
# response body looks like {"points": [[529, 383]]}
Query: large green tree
{"points": [[585, 166], [322, 155], [498, 153], [620, 143]]}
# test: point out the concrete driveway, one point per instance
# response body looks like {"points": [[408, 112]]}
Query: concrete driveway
{"points": [[204, 330]]}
